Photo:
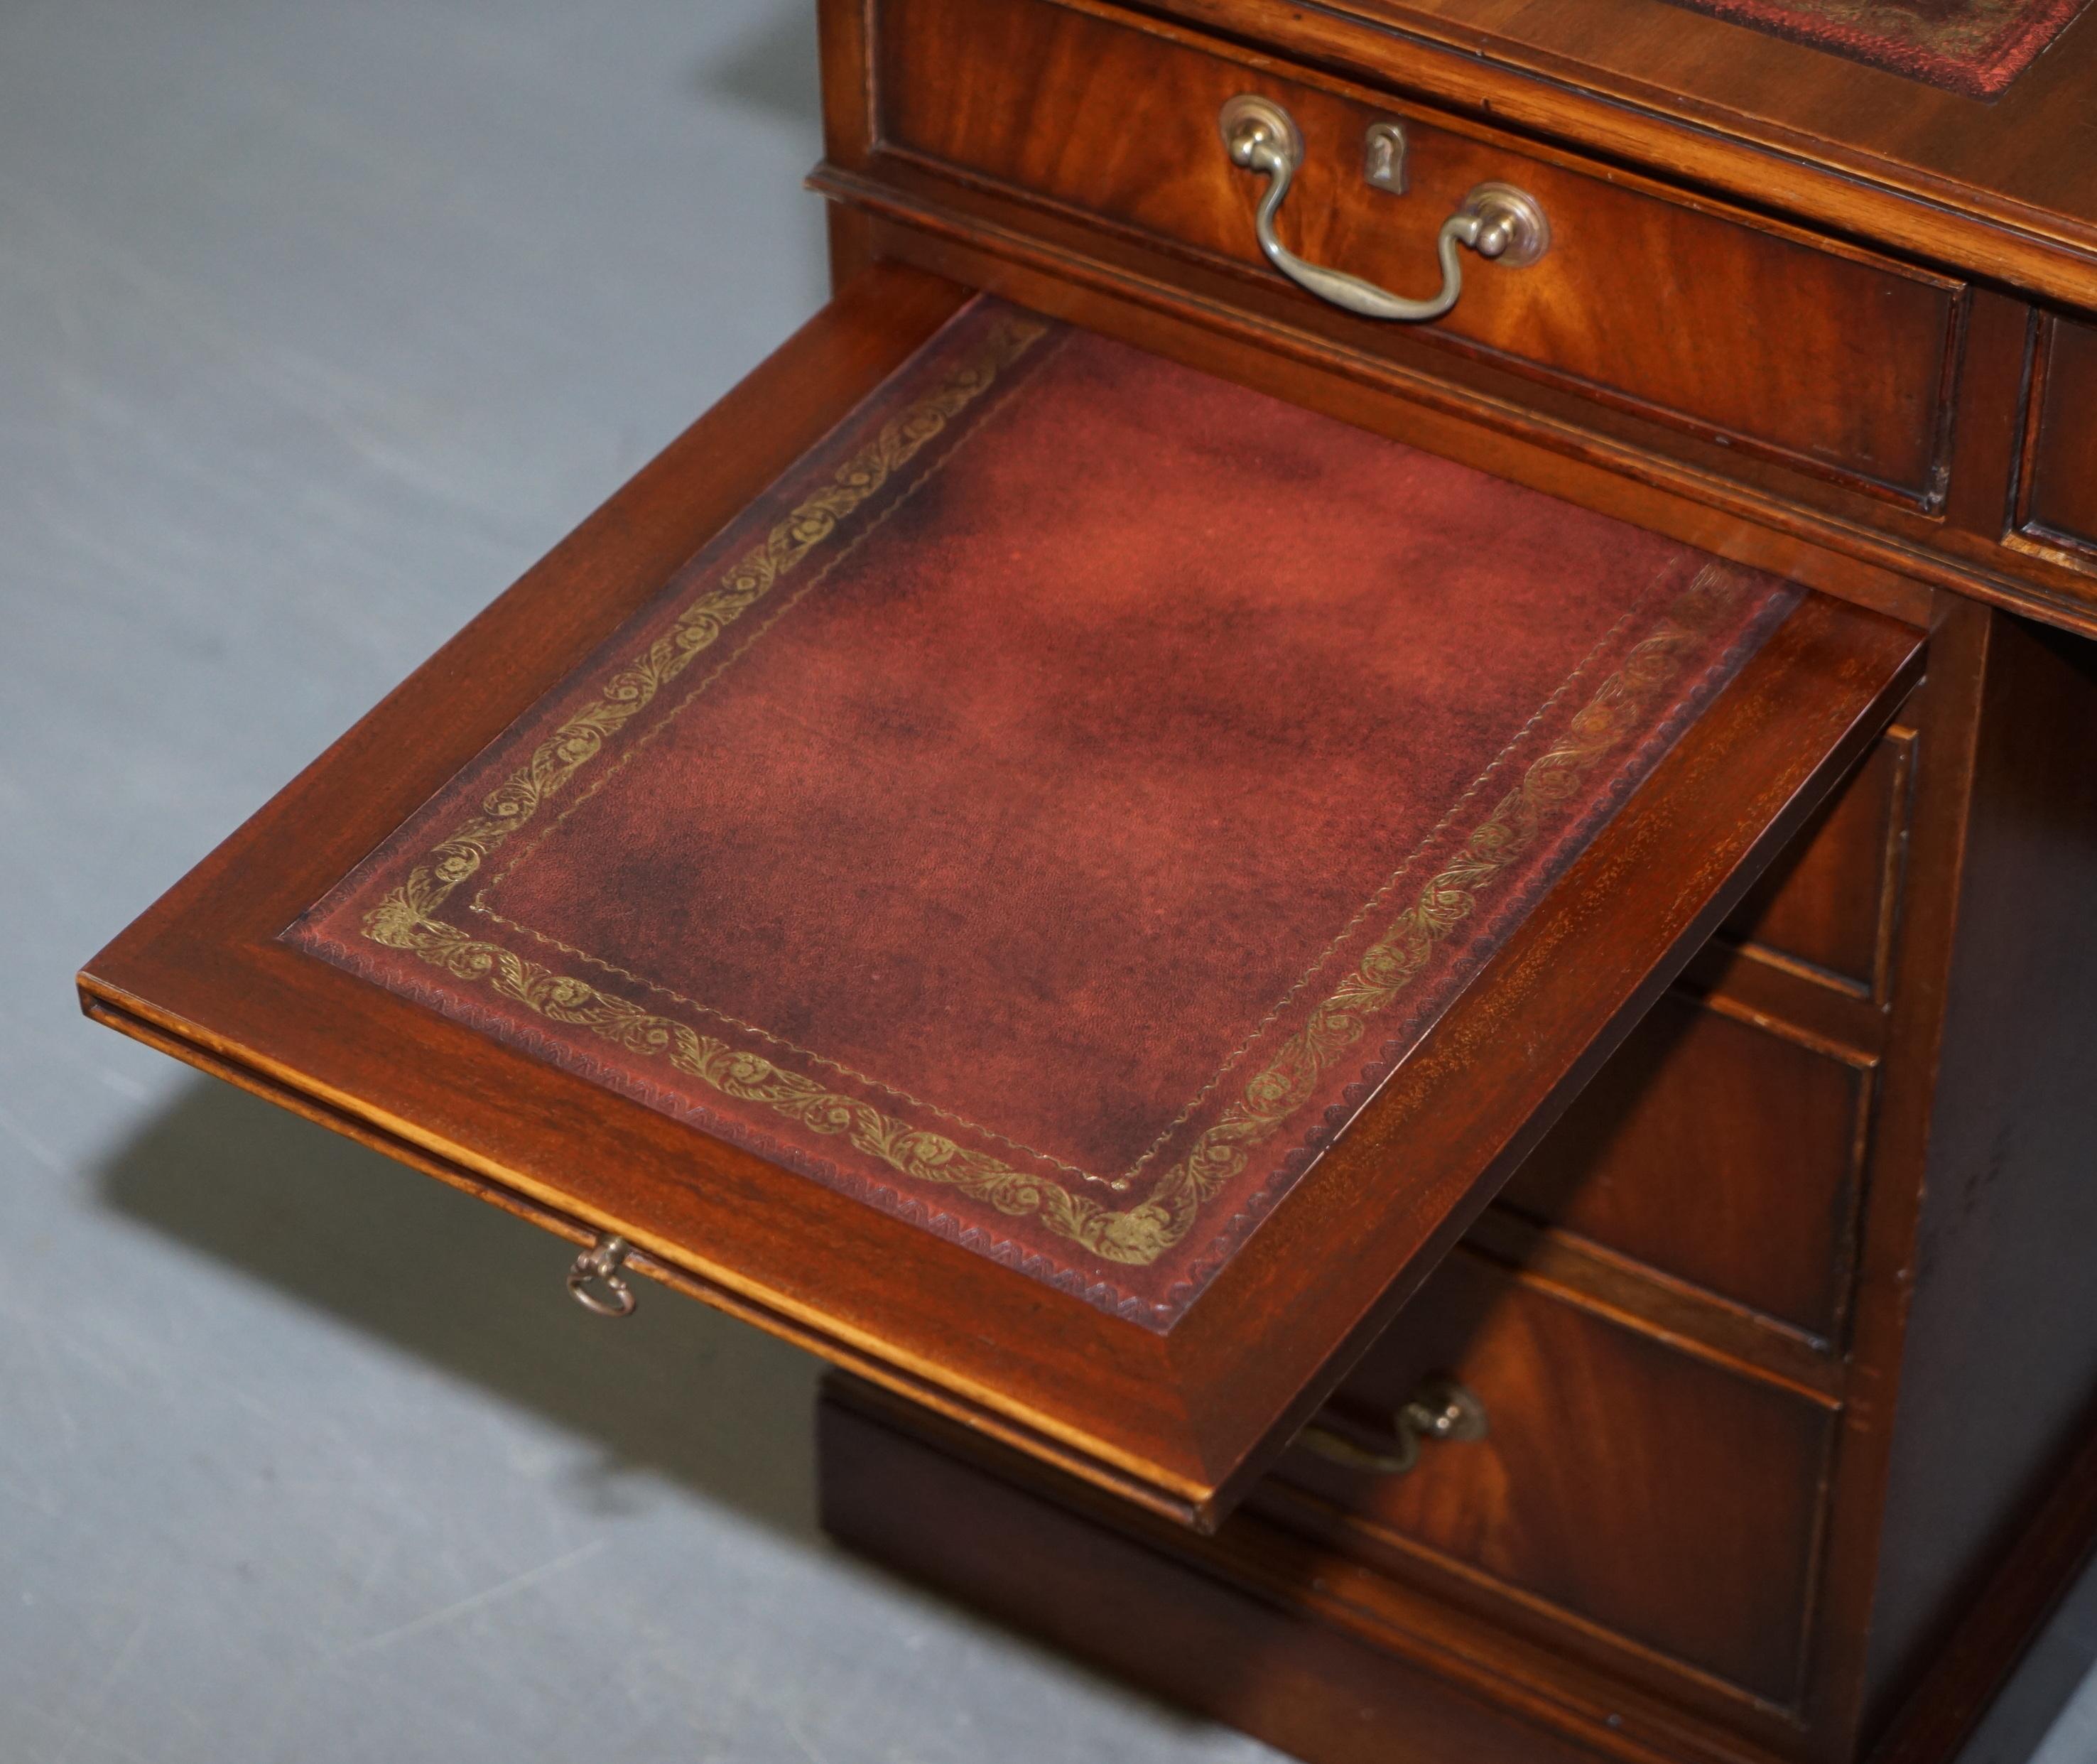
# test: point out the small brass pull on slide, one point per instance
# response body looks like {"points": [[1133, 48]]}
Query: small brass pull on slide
{"points": [[599, 1267], [1497, 220], [1440, 1411]]}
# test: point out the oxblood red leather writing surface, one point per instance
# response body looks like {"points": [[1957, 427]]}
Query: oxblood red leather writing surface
{"points": [[1048, 811], [1974, 47]]}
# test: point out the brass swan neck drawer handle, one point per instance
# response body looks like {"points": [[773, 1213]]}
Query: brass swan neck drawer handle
{"points": [[1497, 220], [1441, 1410], [599, 1267]]}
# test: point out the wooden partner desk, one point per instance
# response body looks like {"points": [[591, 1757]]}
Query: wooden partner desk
{"points": [[1587, 770]]}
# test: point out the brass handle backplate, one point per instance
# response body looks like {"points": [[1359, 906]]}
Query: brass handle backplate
{"points": [[599, 1267], [1497, 220], [1441, 1410]]}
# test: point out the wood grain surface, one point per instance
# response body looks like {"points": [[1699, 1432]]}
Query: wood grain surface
{"points": [[1181, 1421], [1821, 373]]}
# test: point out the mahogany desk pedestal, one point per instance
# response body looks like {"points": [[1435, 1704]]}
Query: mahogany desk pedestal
{"points": [[1352, 833]]}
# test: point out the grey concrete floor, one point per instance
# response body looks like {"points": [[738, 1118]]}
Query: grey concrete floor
{"points": [[317, 323]]}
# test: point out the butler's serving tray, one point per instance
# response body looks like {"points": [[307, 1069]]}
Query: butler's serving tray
{"points": [[1057, 880]]}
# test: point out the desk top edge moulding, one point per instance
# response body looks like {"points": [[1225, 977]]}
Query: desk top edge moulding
{"points": [[1041, 815]]}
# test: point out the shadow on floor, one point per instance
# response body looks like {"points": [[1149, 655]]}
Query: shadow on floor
{"points": [[773, 69], [676, 1389], [2041, 1703]]}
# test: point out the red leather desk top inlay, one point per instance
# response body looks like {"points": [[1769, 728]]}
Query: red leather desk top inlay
{"points": [[1974, 47], [1050, 809]]}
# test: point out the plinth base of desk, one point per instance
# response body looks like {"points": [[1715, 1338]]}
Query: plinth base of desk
{"points": [[1254, 1629]]}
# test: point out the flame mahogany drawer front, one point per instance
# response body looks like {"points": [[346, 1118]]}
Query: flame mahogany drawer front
{"points": [[1666, 1498], [1724, 1150], [1748, 333], [1764, 1121], [2057, 497], [1828, 907]]}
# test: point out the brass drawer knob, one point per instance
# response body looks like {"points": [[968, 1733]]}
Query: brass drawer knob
{"points": [[1440, 1411], [599, 1267], [1495, 220]]}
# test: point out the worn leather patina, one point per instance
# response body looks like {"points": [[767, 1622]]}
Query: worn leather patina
{"points": [[1974, 47], [1050, 810]]}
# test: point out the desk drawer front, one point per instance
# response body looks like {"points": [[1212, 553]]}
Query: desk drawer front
{"points": [[1828, 906], [1626, 1483], [2057, 499], [1724, 1152], [1752, 335], [1723, 1145]]}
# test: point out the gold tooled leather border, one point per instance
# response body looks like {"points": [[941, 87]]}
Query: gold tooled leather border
{"points": [[698, 627], [407, 918]]}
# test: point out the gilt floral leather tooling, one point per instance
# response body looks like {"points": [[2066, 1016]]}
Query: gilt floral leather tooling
{"points": [[1974, 47], [1049, 811]]}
